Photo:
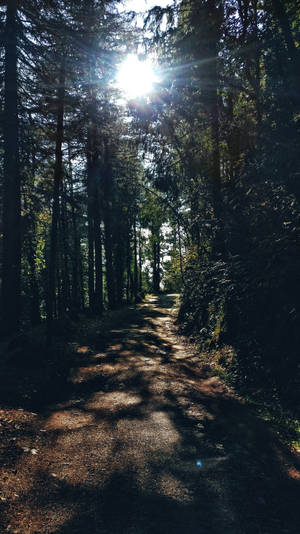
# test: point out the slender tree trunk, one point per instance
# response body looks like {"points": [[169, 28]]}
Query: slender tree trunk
{"points": [[75, 262], [108, 238], [215, 129], [257, 80], [35, 307], [156, 263], [65, 253], [218, 247], [53, 283], [140, 263], [214, 112], [216, 172], [194, 205], [59, 291], [98, 255], [11, 199], [109, 261], [180, 254], [95, 281], [120, 256], [154, 269], [81, 277], [135, 272], [75, 255], [35, 314], [128, 257], [91, 218]]}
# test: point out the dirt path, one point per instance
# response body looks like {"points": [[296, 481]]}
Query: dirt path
{"points": [[144, 441]]}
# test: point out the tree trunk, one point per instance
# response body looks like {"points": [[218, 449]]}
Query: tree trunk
{"points": [[58, 177], [218, 247], [75, 255], [257, 79], [65, 252], [81, 277], [108, 238], [35, 315], [98, 255], [11, 199], [140, 263], [180, 254], [135, 265], [120, 255], [156, 263], [109, 261], [128, 269], [91, 219]]}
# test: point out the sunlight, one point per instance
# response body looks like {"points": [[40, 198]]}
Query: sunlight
{"points": [[136, 78]]}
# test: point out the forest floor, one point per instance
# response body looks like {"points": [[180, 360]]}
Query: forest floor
{"points": [[136, 436]]}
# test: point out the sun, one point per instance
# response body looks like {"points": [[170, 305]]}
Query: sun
{"points": [[136, 78]]}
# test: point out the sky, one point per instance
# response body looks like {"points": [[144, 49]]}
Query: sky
{"points": [[143, 5]]}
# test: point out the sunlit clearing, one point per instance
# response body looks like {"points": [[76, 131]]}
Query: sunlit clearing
{"points": [[136, 78]]}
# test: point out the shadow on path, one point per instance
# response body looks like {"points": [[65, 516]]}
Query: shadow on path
{"points": [[143, 440]]}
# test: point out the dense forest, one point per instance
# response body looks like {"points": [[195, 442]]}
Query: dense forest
{"points": [[192, 188], [149, 266]]}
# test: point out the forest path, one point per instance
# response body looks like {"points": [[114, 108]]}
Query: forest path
{"points": [[147, 441]]}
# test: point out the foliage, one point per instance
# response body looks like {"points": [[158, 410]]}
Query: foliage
{"points": [[232, 109]]}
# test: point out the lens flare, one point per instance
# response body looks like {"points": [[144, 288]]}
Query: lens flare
{"points": [[136, 78]]}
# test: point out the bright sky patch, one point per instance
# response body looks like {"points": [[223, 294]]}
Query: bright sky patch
{"points": [[136, 78]]}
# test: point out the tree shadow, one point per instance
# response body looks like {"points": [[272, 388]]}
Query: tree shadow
{"points": [[141, 442]]}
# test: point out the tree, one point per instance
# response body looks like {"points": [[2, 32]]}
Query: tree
{"points": [[11, 200]]}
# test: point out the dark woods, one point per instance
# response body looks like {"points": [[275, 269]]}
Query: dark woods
{"points": [[214, 211], [242, 179]]}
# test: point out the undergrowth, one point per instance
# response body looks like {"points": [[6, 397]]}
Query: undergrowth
{"points": [[263, 398]]}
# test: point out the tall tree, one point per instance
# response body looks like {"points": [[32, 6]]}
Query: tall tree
{"points": [[58, 178], [11, 199]]}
